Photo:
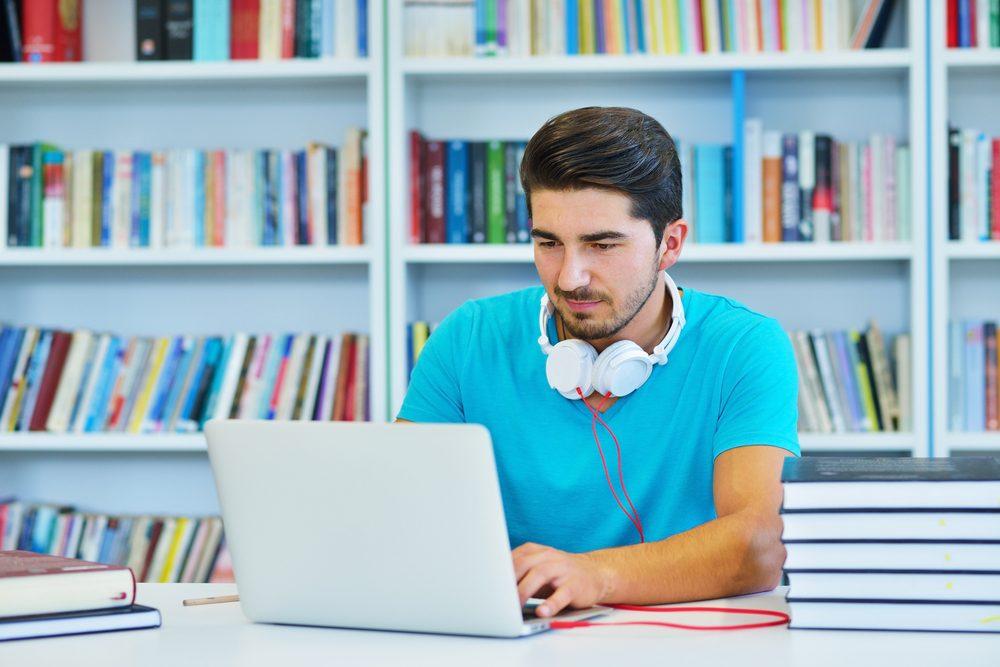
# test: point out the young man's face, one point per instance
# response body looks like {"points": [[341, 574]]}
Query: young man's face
{"points": [[598, 264]]}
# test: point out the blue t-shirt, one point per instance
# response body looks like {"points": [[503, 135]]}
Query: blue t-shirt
{"points": [[730, 381]]}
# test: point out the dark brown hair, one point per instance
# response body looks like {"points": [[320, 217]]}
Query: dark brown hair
{"points": [[614, 148]]}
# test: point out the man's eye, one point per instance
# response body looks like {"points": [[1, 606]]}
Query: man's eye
{"points": [[605, 246], [547, 244]]}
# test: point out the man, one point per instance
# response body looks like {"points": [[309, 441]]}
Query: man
{"points": [[702, 439]]}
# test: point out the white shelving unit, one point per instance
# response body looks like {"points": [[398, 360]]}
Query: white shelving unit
{"points": [[965, 87], [249, 104], [509, 98]]}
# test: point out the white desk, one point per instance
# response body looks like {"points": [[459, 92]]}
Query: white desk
{"points": [[219, 635]]}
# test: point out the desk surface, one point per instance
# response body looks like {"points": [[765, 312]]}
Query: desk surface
{"points": [[220, 635]]}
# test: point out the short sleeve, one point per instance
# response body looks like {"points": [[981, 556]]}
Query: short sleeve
{"points": [[759, 392], [434, 394]]}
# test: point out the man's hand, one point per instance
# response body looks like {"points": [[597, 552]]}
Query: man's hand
{"points": [[575, 580]]}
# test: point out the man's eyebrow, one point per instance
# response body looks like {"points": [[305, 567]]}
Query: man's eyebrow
{"points": [[607, 235], [594, 237]]}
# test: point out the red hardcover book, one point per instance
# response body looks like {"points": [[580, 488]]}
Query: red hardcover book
{"points": [[343, 371], [287, 28], [244, 28], [50, 379], [33, 584], [349, 383], [434, 193], [416, 187], [952, 21], [972, 23], [995, 192], [69, 44], [155, 529], [38, 25]]}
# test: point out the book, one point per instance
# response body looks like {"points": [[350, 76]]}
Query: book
{"points": [[860, 525], [813, 483], [941, 617], [895, 585], [33, 583], [892, 555], [133, 617]]}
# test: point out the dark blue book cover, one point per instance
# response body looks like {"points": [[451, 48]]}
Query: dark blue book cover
{"points": [[331, 196], [302, 235], [873, 469], [599, 24], [133, 617], [790, 187]]}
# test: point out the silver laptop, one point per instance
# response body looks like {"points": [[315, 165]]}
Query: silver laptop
{"points": [[376, 526]]}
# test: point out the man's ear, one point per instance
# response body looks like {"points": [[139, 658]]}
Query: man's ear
{"points": [[672, 243]]}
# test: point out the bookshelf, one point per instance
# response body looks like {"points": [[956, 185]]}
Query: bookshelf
{"points": [[965, 84], [693, 96], [200, 291]]}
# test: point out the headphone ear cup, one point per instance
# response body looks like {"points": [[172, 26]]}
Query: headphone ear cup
{"points": [[621, 369], [570, 365]]}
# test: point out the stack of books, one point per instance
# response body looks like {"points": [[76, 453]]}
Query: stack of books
{"points": [[46, 596], [893, 544]]}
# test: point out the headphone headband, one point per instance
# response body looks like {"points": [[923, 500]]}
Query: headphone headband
{"points": [[662, 349]]}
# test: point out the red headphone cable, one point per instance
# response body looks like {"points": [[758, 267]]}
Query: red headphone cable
{"points": [[782, 618], [595, 418]]}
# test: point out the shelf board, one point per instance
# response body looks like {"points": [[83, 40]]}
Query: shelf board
{"points": [[986, 441], [972, 58], [102, 442], [974, 250], [884, 60], [857, 442], [185, 71], [184, 257], [770, 252]]}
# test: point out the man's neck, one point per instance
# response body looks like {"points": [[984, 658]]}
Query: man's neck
{"points": [[646, 329]]}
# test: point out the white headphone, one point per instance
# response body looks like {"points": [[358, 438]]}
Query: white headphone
{"points": [[620, 369]]}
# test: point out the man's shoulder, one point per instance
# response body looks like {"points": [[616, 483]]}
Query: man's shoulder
{"points": [[727, 317]]}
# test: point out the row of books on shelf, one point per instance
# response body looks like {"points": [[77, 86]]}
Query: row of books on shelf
{"points": [[973, 186], [158, 549], [972, 23], [803, 186], [892, 543], [467, 191], [973, 384], [43, 31], [183, 198], [655, 27], [87, 382], [798, 187], [846, 382]]}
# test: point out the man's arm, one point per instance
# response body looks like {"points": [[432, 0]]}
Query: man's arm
{"points": [[738, 552]]}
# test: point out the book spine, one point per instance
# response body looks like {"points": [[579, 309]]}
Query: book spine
{"points": [[457, 219], [477, 185], [435, 194]]}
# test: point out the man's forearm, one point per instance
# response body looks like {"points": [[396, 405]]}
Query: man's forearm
{"points": [[732, 555]]}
